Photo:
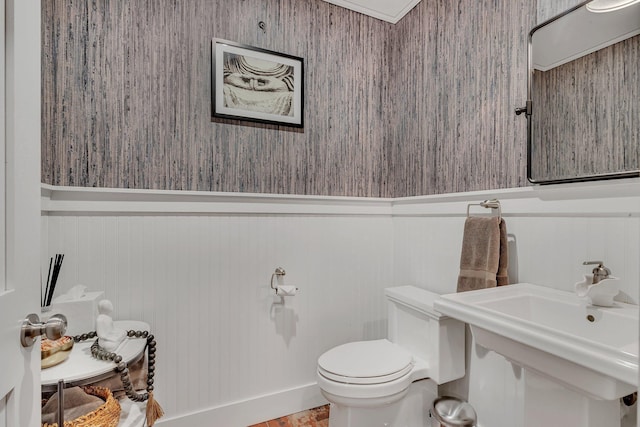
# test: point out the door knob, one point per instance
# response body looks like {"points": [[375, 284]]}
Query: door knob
{"points": [[32, 328]]}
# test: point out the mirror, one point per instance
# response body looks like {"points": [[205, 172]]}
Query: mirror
{"points": [[583, 108]]}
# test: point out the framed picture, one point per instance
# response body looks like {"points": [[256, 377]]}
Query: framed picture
{"points": [[256, 84]]}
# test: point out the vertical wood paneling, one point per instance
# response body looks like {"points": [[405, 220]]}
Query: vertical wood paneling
{"points": [[202, 282], [550, 250]]}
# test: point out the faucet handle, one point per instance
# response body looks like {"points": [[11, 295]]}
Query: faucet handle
{"points": [[600, 272]]}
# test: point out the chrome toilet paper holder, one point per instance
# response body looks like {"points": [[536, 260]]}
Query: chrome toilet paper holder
{"points": [[279, 272]]}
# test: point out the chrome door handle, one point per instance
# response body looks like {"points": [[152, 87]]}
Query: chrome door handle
{"points": [[32, 328]]}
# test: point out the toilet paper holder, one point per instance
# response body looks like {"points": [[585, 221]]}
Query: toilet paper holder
{"points": [[282, 290], [279, 272]]}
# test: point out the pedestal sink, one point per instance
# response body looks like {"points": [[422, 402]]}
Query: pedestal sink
{"points": [[592, 350]]}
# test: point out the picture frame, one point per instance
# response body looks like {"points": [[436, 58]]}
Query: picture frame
{"points": [[257, 85]]}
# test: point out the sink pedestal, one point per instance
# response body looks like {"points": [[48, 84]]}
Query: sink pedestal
{"points": [[571, 361], [506, 395], [565, 372], [549, 404]]}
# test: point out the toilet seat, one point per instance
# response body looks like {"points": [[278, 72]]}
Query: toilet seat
{"points": [[365, 363], [368, 373]]}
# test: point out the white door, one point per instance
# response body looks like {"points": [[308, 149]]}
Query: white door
{"points": [[19, 209]]}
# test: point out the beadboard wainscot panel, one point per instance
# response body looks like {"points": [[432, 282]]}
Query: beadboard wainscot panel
{"points": [[197, 266], [127, 90], [552, 230], [175, 259]]}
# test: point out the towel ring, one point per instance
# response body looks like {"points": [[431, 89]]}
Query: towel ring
{"points": [[489, 204]]}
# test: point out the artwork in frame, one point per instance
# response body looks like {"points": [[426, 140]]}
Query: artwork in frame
{"points": [[255, 84]]}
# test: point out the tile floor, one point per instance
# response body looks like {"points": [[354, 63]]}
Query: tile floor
{"points": [[316, 417]]}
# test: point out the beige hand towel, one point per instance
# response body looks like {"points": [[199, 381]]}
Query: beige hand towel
{"points": [[483, 261], [502, 276]]}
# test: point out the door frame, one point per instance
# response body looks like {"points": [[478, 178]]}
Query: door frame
{"points": [[22, 193]]}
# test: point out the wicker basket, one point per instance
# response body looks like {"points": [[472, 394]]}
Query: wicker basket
{"points": [[107, 415]]}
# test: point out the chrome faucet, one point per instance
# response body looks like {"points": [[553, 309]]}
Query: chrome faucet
{"points": [[600, 272]]}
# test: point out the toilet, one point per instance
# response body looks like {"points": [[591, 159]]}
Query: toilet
{"points": [[393, 382]]}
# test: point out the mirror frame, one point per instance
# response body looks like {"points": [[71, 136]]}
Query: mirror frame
{"points": [[528, 109]]}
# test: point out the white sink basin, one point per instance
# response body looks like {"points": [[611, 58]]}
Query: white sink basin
{"points": [[593, 350]]}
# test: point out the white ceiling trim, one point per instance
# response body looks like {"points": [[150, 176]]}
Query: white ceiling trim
{"points": [[386, 10]]}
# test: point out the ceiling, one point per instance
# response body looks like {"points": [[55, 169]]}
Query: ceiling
{"points": [[386, 10]]}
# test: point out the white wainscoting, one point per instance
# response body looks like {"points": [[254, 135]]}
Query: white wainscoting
{"points": [[197, 266], [552, 231], [202, 281]]}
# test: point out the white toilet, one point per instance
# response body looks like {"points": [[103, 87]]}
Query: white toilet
{"points": [[393, 382]]}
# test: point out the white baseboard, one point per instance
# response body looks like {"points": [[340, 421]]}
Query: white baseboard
{"points": [[252, 411]]}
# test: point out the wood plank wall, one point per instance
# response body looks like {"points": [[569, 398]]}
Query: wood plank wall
{"points": [[422, 107]]}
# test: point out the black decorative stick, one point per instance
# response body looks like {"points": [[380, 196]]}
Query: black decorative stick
{"points": [[46, 289], [54, 278]]}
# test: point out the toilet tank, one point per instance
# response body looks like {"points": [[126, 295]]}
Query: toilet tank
{"points": [[433, 337]]}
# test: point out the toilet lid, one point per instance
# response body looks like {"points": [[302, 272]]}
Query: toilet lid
{"points": [[365, 362]]}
